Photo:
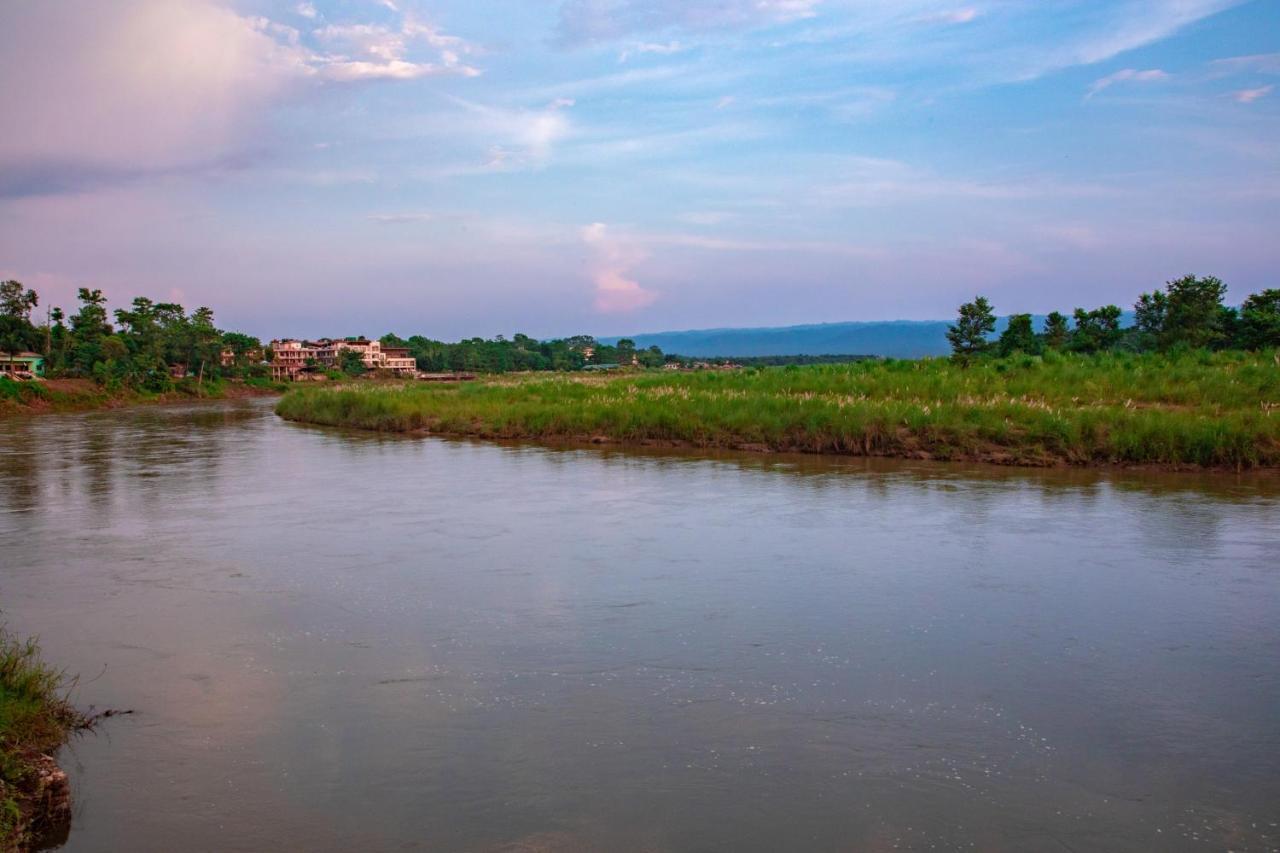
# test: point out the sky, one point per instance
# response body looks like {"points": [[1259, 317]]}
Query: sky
{"points": [[555, 167]]}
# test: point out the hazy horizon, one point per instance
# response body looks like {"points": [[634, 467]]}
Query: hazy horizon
{"points": [[617, 167]]}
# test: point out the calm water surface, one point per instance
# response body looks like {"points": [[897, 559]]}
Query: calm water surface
{"points": [[350, 642]]}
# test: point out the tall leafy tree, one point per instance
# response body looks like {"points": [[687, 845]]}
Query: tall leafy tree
{"points": [[88, 328], [1056, 330], [1188, 312], [16, 332], [1096, 330], [1260, 320], [1018, 336], [968, 337]]}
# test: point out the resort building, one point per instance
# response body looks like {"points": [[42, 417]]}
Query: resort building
{"points": [[23, 365], [291, 358]]}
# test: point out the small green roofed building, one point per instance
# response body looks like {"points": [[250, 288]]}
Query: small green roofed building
{"points": [[23, 365]]}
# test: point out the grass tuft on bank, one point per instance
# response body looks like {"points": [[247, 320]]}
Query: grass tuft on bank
{"points": [[35, 719], [1195, 409]]}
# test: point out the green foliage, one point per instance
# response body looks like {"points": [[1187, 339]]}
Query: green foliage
{"points": [[1097, 330], [1259, 326], [1213, 409], [35, 717], [350, 363], [519, 353], [138, 353], [1019, 336], [968, 337], [1188, 313], [1056, 330]]}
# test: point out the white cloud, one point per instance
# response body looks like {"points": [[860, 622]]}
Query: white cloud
{"points": [[660, 49], [1151, 75], [107, 91], [1261, 63], [1248, 96], [306, 10], [951, 16], [377, 52], [617, 292], [525, 138]]}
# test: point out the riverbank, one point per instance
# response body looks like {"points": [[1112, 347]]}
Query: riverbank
{"points": [[35, 720], [83, 395], [1197, 410]]}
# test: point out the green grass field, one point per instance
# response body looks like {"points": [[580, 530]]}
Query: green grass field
{"points": [[1197, 409]]}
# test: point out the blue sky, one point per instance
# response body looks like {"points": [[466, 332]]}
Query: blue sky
{"points": [[613, 166]]}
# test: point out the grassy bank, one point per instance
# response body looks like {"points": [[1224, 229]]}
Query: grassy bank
{"points": [[1198, 409], [81, 395], [35, 719]]}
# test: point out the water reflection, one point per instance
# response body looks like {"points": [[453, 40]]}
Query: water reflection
{"points": [[351, 641]]}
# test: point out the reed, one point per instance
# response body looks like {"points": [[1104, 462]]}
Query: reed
{"points": [[1193, 409]]}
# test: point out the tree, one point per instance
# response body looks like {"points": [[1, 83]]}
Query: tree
{"points": [[206, 340], [350, 362], [16, 302], [1096, 330], [968, 336], [1018, 336], [243, 348], [626, 350], [16, 331], [1056, 331], [1260, 320], [1188, 313], [59, 339], [88, 327]]}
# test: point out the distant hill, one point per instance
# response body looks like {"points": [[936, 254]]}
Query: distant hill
{"points": [[896, 338], [890, 338]]}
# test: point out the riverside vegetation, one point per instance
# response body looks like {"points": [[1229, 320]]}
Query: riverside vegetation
{"points": [[35, 719], [1189, 409], [1192, 384], [93, 362]]}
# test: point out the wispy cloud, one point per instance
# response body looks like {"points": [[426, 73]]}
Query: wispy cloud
{"points": [[659, 48], [1248, 96], [587, 21], [1261, 63], [1125, 75], [399, 218], [962, 15]]}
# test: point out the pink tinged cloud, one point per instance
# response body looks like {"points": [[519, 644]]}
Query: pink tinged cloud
{"points": [[616, 292], [1248, 96]]}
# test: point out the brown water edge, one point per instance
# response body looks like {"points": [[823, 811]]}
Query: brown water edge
{"points": [[79, 396], [993, 456]]}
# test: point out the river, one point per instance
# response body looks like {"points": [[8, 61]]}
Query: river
{"points": [[342, 641]]}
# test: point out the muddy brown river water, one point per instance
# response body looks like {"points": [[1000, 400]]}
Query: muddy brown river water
{"points": [[339, 641]]}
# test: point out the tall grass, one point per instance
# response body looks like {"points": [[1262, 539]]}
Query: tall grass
{"points": [[35, 718], [1196, 409]]}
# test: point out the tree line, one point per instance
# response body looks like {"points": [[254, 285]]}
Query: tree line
{"points": [[1189, 313], [521, 352], [138, 350]]}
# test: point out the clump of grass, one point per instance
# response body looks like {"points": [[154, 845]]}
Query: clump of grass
{"points": [[1198, 409], [35, 719]]}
